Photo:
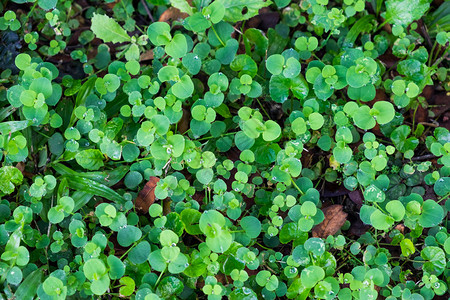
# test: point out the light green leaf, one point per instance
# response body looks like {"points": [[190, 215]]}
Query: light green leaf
{"points": [[403, 12], [183, 6], [8, 177], [108, 29], [91, 159], [234, 9]]}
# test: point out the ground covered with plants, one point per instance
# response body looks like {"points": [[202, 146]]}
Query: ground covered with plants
{"points": [[228, 149]]}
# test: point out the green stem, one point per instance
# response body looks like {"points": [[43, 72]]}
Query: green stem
{"points": [[443, 56], [414, 117], [262, 107], [430, 58], [382, 24], [262, 246], [296, 186], [159, 278], [218, 37], [135, 243], [31, 11], [211, 137], [445, 197], [354, 257]]}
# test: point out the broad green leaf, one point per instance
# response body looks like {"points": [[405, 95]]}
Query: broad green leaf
{"points": [[251, 225], [13, 126], [91, 159], [240, 10], [108, 29], [47, 4], [182, 5], [9, 176], [128, 235], [184, 88], [93, 187], [116, 267], [432, 214], [435, 260], [403, 12], [380, 220], [28, 289], [383, 112], [177, 47], [396, 210], [272, 132], [311, 275]]}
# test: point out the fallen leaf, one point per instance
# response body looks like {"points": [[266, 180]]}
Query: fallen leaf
{"points": [[356, 197], [146, 196], [173, 14], [335, 217], [147, 55]]}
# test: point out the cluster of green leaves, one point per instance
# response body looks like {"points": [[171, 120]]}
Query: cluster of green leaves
{"points": [[243, 128]]}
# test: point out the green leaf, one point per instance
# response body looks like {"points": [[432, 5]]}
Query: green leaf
{"points": [[204, 176], [53, 286], [380, 220], [383, 111], [47, 4], [159, 33], [396, 210], [363, 119], [234, 9], [13, 126], [373, 194], [91, 159], [128, 235], [315, 121], [108, 29], [184, 88], [177, 47], [407, 247], [129, 286], [432, 214], [9, 176], [28, 289], [363, 24], [94, 268], [22, 61], [272, 132], [435, 260], [251, 225], [442, 186], [93, 187], [274, 64], [182, 5], [311, 275], [403, 12]]}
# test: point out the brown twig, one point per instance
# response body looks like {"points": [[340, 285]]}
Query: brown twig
{"points": [[147, 10]]}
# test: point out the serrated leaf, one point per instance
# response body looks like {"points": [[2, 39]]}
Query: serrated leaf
{"points": [[183, 6], [234, 9], [108, 29]]}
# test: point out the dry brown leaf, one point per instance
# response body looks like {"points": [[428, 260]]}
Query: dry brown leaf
{"points": [[147, 55], [146, 196], [335, 217], [171, 14]]}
